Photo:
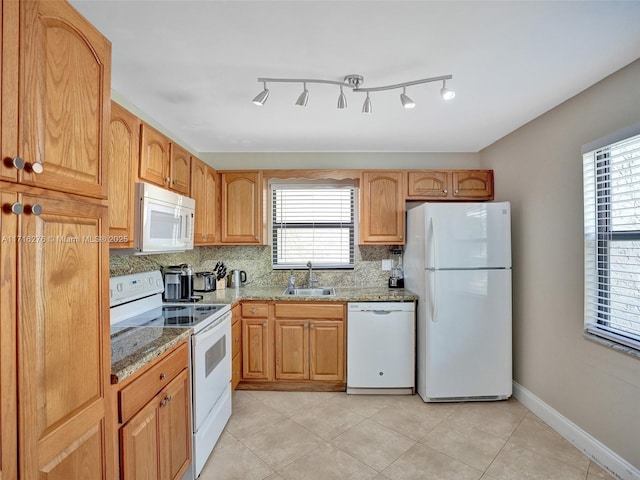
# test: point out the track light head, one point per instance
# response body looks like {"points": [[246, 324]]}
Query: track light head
{"points": [[342, 100], [366, 108], [261, 98], [445, 92], [304, 97], [405, 100]]}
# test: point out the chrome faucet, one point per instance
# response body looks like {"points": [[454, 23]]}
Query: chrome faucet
{"points": [[311, 280]]}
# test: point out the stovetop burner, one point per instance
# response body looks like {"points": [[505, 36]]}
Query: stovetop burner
{"points": [[179, 320], [172, 308]]}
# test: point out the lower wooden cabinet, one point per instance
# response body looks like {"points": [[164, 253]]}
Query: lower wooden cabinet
{"points": [[293, 342], [256, 341], [155, 411]]}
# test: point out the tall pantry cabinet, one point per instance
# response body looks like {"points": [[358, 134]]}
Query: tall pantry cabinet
{"points": [[54, 254]]}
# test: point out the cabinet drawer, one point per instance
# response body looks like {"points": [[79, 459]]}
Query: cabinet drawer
{"points": [[255, 310], [135, 395], [307, 310]]}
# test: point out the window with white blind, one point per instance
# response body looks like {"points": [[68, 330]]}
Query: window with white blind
{"points": [[312, 222], [612, 240]]}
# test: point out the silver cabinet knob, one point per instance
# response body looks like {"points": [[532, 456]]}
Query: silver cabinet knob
{"points": [[34, 209], [18, 163], [163, 376], [457, 192], [36, 167], [445, 191], [167, 180], [17, 208]]}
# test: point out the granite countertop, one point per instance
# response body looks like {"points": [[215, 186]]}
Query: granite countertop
{"points": [[134, 347]]}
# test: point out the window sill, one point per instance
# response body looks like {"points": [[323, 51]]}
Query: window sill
{"points": [[612, 345]]}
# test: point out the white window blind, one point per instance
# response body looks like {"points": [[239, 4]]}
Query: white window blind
{"points": [[312, 222], [612, 241]]}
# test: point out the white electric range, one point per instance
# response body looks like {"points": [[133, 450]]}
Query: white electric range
{"points": [[136, 302]]}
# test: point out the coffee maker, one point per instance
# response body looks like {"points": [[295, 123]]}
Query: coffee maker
{"points": [[178, 283]]}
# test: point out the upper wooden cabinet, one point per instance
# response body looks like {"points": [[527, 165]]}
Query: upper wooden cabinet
{"points": [[58, 105], [382, 212], [450, 185], [204, 190], [241, 208], [123, 158], [180, 169], [472, 184], [162, 162], [155, 156], [432, 184]]}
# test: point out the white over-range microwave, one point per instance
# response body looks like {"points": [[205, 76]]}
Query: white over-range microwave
{"points": [[163, 220]]}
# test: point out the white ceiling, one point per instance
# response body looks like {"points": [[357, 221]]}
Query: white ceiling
{"points": [[192, 66]]}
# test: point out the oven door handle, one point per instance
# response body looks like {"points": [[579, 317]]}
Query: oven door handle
{"points": [[212, 329]]}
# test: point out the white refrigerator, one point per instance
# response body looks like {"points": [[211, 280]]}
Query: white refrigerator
{"points": [[458, 261]]}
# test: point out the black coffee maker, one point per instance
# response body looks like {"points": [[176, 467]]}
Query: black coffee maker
{"points": [[178, 283]]}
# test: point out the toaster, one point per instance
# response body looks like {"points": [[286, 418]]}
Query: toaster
{"points": [[204, 282]]}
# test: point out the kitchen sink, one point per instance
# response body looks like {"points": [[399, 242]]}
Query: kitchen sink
{"points": [[310, 292]]}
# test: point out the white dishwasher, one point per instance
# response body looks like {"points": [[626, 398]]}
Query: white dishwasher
{"points": [[381, 347]]}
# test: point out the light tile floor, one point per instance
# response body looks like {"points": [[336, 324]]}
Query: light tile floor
{"points": [[326, 436]]}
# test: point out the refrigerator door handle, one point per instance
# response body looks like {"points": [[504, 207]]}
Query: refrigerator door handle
{"points": [[434, 315], [434, 242]]}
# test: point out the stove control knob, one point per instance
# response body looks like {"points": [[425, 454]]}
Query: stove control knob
{"points": [[119, 287]]}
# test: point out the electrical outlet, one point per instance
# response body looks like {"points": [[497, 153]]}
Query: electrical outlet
{"points": [[387, 264]]}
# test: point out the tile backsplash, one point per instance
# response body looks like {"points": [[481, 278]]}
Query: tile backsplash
{"points": [[256, 261]]}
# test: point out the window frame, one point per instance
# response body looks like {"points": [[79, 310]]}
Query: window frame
{"points": [[598, 201], [319, 185]]}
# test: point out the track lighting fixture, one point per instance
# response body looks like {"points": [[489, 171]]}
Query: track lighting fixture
{"points": [[304, 97], [445, 92], [355, 83], [262, 96], [366, 108], [342, 99], [406, 101]]}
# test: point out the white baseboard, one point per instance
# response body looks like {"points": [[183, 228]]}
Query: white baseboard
{"points": [[613, 463]]}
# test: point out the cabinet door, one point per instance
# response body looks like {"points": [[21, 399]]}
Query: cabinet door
{"points": [[292, 349], [154, 156], [472, 184], [123, 160], [327, 350], [204, 190], [428, 184], [211, 227], [64, 99], [139, 459], [8, 351], [255, 349], [382, 208], [180, 169], [241, 207], [63, 329], [174, 421], [9, 61]]}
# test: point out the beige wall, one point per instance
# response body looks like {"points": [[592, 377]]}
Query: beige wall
{"points": [[539, 169]]}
